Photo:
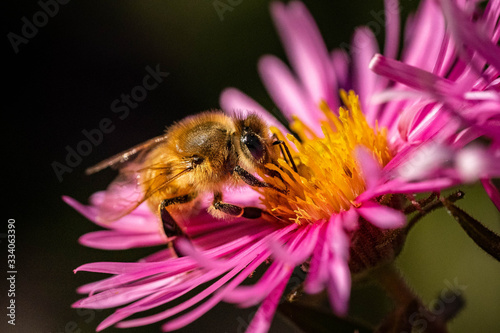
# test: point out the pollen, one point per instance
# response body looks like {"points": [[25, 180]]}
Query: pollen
{"points": [[324, 176]]}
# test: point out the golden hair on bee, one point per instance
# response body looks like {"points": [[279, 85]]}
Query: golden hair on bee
{"points": [[200, 154]]}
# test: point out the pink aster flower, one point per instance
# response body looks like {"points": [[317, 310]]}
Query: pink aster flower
{"points": [[356, 160]]}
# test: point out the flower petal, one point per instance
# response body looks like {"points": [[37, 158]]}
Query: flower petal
{"points": [[287, 92], [339, 287], [492, 191], [317, 275], [464, 31], [306, 51], [365, 82], [112, 240], [264, 316], [413, 77], [138, 221], [382, 216], [370, 168], [392, 29]]}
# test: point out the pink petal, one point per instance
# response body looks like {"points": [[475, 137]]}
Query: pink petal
{"points": [[370, 167], [382, 216], [264, 316], [399, 186], [129, 272], [317, 275], [364, 47], [307, 244], [473, 163], [181, 285], [182, 321], [392, 28], [112, 240], [187, 249], [287, 93], [492, 13], [339, 276], [492, 191], [254, 255], [158, 298], [121, 296], [466, 32], [250, 295], [350, 219], [306, 51], [413, 77], [298, 245], [339, 287], [196, 313], [431, 30], [340, 62], [338, 240], [424, 161], [139, 221]]}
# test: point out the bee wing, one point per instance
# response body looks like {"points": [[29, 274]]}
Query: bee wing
{"points": [[128, 191], [120, 159]]}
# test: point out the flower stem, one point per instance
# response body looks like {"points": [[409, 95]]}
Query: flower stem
{"points": [[409, 313], [391, 280]]}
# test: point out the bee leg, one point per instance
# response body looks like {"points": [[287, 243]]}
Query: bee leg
{"points": [[234, 210], [250, 179], [168, 223]]}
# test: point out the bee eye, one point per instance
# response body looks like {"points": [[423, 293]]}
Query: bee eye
{"points": [[254, 145]]}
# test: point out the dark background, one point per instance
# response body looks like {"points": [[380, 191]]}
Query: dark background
{"points": [[63, 82]]}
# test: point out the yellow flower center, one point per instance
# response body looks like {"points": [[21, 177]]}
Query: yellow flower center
{"points": [[328, 177]]}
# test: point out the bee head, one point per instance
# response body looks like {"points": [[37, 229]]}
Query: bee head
{"points": [[255, 142]]}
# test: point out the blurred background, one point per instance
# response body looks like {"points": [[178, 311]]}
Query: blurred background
{"points": [[63, 81]]}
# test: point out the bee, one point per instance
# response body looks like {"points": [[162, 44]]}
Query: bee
{"points": [[200, 154]]}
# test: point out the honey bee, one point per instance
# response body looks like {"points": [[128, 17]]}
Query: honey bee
{"points": [[200, 154]]}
